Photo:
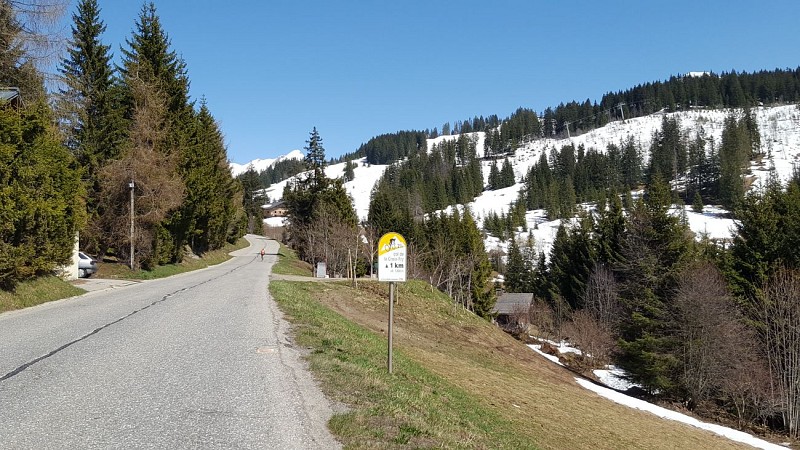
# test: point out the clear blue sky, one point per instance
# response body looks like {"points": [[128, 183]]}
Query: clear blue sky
{"points": [[273, 69]]}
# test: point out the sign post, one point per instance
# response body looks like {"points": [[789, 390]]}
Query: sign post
{"points": [[391, 268]]}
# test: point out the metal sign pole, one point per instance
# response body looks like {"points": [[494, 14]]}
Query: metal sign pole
{"points": [[391, 319]]}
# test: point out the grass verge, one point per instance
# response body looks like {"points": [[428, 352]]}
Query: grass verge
{"points": [[458, 382], [411, 408], [121, 271], [35, 292], [289, 264]]}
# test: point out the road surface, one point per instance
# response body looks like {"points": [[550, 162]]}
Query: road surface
{"points": [[199, 360]]}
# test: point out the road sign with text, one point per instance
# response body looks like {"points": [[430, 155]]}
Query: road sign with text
{"points": [[392, 258]]}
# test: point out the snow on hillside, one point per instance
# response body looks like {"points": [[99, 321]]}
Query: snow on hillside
{"points": [[366, 176], [780, 138], [263, 164]]}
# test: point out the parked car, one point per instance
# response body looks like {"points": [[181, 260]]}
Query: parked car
{"points": [[86, 265]]}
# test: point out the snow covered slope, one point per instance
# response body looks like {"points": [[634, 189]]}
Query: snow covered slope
{"points": [[780, 138], [263, 164]]}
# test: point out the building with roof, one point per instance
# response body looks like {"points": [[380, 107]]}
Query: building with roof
{"points": [[276, 209], [511, 310], [9, 96]]}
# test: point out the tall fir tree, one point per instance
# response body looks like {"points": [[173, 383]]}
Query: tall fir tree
{"points": [[89, 109], [654, 253], [315, 157]]}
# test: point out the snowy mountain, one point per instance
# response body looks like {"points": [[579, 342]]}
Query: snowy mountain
{"points": [[780, 136], [264, 164]]}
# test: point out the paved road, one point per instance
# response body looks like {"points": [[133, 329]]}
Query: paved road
{"points": [[200, 360]]}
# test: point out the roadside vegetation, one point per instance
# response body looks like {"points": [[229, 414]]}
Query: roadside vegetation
{"points": [[35, 292], [458, 381], [50, 288], [118, 270]]}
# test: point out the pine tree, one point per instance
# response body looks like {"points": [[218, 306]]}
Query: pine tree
{"points": [[697, 203], [349, 171], [734, 154], [654, 253], [515, 275], [507, 174], [95, 125], [315, 157], [494, 176], [210, 188], [252, 198]]}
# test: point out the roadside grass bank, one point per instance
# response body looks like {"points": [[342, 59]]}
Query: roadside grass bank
{"points": [[289, 264], [35, 292], [458, 381], [119, 270]]}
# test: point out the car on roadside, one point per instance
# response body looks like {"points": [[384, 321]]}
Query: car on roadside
{"points": [[86, 265]]}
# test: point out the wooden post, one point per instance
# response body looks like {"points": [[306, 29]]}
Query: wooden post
{"points": [[391, 319]]}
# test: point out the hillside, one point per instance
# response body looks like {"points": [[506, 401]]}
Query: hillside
{"points": [[780, 136], [459, 381]]}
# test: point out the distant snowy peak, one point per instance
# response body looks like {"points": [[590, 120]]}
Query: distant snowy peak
{"points": [[697, 74], [264, 164]]}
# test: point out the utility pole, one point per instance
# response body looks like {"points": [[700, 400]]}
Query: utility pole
{"points": [[621, 111], [132, 185], [567, 124]]}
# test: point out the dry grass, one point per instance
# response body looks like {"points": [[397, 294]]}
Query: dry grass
{"points": [[520, 393], [514, 391]]}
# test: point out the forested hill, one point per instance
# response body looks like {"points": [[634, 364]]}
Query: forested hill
{"points": [[705, 90]]}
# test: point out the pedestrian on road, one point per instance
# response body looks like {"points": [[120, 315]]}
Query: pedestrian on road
{"points": [[262, 254]]}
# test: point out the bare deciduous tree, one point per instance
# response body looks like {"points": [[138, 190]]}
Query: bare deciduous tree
{"points": [[715, 341], [592, 336], [778, 311], [540, 315], [602, 296]]}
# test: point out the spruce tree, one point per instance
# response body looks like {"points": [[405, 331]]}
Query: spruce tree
{"points": [[95, 127], [494, 176], [654, 253], [507, 174], [515, 268], [315, 157], [210, 189]]}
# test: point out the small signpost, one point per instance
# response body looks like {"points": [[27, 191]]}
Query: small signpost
{"points": [[391, 268]]}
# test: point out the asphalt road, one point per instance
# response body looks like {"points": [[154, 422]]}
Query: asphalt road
{"points": [[199, 360]]}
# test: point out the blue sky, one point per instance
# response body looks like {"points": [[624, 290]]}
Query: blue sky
{"points": [[271, 70]]}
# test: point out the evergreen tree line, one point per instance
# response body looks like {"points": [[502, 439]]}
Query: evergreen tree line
{"points": [[445, 249], [280, 171], [703, 172], [556, 183], [135, 125], [388, 148], [691, 321], [727, 90], [72, 159], [447, 175], [465, 126]]}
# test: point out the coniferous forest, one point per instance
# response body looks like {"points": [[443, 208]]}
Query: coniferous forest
{"points": [[71, 156]]}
